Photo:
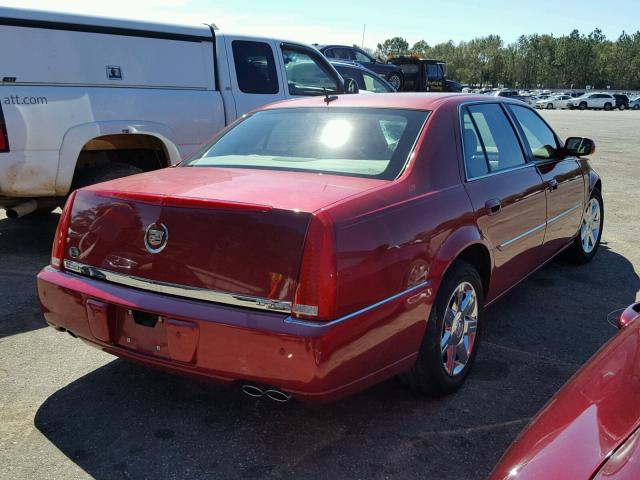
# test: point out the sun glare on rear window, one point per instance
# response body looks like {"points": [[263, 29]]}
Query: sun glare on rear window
{"points": [[364, 142]]}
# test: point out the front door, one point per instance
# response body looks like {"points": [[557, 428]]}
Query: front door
{"points": [[507, 193], [562, 176]]}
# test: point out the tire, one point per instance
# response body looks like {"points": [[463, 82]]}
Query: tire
{"points": [[636, 107], [429, 374], [103, 173], [584, 249], [607, 106], [582, 106], [549, 106], [622, 106], [395, 79]]}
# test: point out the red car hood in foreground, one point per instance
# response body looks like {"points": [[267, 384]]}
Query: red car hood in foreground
{"points": [[587, 423], [228, 230]]}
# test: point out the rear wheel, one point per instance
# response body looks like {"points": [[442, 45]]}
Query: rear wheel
{"points": [[103, 173], [395, 79], [607, 106], [587, 241], [636, 107], [450, 342], [582, 106]]}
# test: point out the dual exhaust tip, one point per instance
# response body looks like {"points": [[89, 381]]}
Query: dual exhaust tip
{"points": [[272, 393]]}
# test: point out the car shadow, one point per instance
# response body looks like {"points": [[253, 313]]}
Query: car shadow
{"points": [[126, 421], [25, 247]]}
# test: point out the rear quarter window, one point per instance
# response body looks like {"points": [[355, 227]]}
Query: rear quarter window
{"points": [[255, 67]]}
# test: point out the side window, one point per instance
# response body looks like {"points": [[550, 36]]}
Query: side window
{"points": [[540, 137], [373, 84], [305, 74], [255, 67], [361, 57], [475, 161], [342, 54], [330, 53], [496, 136]]}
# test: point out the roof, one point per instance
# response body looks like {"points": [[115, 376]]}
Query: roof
{"points": [[400, 100], [47, 19]]}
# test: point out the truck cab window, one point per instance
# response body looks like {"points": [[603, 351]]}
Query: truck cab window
{"points": [[255, 67], [305, 75]]}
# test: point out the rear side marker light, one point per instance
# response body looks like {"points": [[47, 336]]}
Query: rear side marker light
{"points": [[62, 231]]}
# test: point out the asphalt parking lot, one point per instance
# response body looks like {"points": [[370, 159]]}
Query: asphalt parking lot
{"points": [[69, 411]]}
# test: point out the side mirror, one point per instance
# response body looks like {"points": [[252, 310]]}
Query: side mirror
{"points": [[630, 315], [350, 85], [579, 146]]}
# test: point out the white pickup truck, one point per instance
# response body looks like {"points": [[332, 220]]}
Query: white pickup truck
{"points": [[86, 99]]}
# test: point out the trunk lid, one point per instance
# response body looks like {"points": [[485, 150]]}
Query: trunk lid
{"points": [[238, 232]]}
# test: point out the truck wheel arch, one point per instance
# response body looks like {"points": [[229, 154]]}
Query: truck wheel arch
{"points": [[89, 137]]}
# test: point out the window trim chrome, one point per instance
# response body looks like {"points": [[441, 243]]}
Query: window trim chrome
{"points": [[194, 293]]}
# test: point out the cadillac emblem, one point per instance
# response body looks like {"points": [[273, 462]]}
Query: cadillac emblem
{"points": [[156, 237]]}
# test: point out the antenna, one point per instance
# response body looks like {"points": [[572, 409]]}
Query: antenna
{"points": [[364, 29], [328, 99]]}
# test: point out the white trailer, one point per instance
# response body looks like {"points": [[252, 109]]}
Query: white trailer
{"points": [[86, 99]]}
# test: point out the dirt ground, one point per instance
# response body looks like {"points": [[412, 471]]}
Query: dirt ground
{"points": [[69, 411]]}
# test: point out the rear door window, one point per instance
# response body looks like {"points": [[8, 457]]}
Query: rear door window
{"points": [[255, 67], [541, 139], [495, 137], [306, 74]]}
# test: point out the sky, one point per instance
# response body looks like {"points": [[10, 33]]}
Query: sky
{"points": [[342, 22]]}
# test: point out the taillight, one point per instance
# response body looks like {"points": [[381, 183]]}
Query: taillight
{"points": [[315, 296], [60, 239]]}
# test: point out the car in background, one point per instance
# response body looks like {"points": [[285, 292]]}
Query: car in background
{"points": [[509, 93], [354, 54], [634, 104], [554, 101], [424, 75], [598, 101], [622, 101], [292, 254], [366, 80], [590, 429]]}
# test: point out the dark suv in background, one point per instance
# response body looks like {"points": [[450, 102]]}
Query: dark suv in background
{"points": [[354, 54], [622, 101]]}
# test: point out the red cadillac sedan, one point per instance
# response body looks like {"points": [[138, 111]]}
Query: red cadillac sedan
{"points": [[319, 246]]}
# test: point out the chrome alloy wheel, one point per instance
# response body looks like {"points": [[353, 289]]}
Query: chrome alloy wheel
{"points": [[459, 328], [590, 228]]}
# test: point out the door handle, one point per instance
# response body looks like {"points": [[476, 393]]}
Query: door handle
{"points": [[493, 206], [552, 184]]}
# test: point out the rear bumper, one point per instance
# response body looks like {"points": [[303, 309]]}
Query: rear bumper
{"points": [[310, 360]]}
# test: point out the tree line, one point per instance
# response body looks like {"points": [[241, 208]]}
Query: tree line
{"points": [[543, 61]]}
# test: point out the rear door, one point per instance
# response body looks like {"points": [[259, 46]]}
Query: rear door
{"points": [[253, 73], [562, 176], [506, 191]]}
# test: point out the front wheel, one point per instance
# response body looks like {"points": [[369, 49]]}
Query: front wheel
{"points": [[587, 241], [395, 79], [583, 105], [636, 107], [450, 342], [622, 106], [550, 106]]}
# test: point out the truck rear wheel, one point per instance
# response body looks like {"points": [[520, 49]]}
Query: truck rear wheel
{"points": [[90, 176]]}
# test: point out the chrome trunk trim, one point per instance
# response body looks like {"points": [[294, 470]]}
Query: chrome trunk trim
{"points": [[234, 299]]}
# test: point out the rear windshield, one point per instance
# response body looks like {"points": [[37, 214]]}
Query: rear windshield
{"points": [[364, 142]]}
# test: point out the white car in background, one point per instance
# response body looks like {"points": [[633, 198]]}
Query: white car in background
{"points": [[555, 101], [605, 101]]}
